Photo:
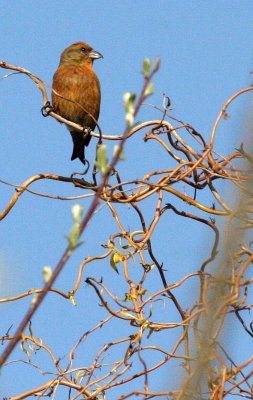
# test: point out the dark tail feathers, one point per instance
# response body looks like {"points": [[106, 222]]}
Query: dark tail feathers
{"points": [[80, 140]]}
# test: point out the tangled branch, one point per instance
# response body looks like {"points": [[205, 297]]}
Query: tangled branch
{"points": [[222, 289]]}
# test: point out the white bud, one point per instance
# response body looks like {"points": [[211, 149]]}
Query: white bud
{"points": [[77, 212]]}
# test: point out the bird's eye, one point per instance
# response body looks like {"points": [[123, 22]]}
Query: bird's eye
{"points": [[83, 49]]}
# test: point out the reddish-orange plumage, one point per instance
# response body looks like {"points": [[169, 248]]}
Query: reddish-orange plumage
{"points": [[76, 93]]}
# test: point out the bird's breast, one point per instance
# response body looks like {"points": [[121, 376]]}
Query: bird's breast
{"points": [[76, 94]]}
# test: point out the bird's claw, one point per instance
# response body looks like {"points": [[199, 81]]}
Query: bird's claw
{"points": [[46, 109], [86, 131]]}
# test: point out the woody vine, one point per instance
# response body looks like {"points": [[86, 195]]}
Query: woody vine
{"points": [[207, 370]]}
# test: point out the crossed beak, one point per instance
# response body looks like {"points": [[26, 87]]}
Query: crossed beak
{"points": [[95, 54]]}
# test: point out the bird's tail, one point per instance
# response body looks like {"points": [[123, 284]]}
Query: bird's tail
{"points": [[79, 142]]}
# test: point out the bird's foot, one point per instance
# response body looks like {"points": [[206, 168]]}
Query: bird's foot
{"points": [[46, 109], [86, 132]]}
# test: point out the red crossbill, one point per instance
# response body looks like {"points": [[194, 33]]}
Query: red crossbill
{"points": [[76, 93]]}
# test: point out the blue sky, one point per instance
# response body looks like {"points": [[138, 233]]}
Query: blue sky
{"points": [[206, 55]]}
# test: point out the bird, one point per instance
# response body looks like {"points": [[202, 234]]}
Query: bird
{"points": [[76, 93]]}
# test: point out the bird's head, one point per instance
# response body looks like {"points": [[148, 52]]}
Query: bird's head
{"points": [[79, 53]]}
